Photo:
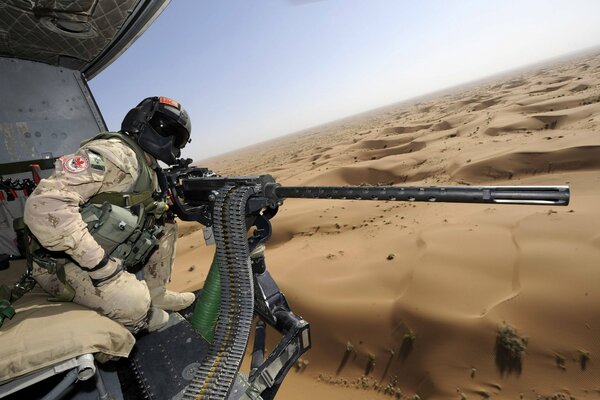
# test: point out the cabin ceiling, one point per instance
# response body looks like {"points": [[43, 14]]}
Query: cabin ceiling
{"points": [[83, 34]]}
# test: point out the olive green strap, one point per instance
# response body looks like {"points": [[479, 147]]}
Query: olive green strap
{"points": [[55, 266], [122, 200], [6, 309], [68, 292]]}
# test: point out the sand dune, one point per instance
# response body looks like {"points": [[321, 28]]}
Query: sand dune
{"points": [[421, 297], [524, 163]]}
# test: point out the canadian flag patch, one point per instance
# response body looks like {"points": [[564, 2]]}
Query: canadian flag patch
{"points": [[75, 164]]}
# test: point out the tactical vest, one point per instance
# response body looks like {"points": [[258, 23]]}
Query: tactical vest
{"points": [[126, 225]]}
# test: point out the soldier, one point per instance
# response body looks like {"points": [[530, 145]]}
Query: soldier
{"points": [[105, 210]]}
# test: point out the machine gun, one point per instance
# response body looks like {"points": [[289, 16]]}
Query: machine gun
{"points": [[238, 210]]}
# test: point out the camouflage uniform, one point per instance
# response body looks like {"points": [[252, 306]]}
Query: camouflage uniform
{"points": [[52, 215]]}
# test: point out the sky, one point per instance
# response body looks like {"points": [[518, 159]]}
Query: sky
{"points": [[248, 71]]}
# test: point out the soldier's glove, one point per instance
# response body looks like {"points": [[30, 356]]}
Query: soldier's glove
{"points": [[106, 270]]}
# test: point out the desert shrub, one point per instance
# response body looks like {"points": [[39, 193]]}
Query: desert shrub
{"points": [[408, 343], [510, 350], [561, 361], [584, 358]]}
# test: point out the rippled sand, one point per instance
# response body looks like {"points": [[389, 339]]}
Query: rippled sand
{"points": [[422, 289]]}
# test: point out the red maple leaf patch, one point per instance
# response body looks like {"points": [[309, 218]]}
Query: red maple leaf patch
{"points": [[75, 164]]}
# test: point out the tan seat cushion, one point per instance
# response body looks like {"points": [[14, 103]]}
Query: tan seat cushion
{"points": [[43, 333]]}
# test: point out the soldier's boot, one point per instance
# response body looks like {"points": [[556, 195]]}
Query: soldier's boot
{"points": [[171, 301], [157, 319]]}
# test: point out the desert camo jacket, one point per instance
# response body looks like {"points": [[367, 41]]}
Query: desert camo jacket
{"points": [[52, 210]]}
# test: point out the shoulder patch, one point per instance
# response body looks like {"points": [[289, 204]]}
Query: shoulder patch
{"points": [[75, 163], [96, 160]]}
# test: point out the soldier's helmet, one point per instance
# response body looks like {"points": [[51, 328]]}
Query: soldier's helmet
{"points": [[160, 126]]}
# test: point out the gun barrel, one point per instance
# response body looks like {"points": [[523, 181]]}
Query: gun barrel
{"points": [[536, 195]]}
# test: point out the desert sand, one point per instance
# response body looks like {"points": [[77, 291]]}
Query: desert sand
{"points": [[415, 295]]}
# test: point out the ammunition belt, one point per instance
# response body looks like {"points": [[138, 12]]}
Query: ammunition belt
{"points": [[215, 377]]}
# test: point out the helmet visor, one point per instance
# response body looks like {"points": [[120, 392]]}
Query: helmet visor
{"points": [[168, 127]]}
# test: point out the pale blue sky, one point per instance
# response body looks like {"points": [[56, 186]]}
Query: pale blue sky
{"points": [[248, 71]]}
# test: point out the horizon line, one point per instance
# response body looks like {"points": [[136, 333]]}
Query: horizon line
{"points": [[556, 60]]}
